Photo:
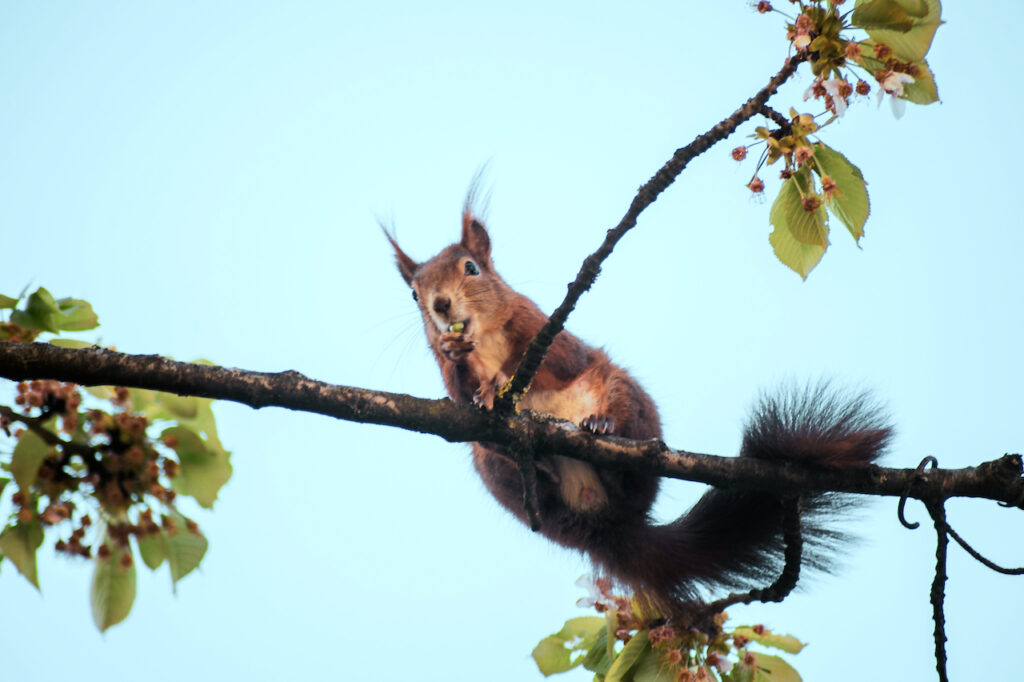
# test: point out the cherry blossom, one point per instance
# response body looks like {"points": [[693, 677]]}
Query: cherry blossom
{"points": [[892, 84]]}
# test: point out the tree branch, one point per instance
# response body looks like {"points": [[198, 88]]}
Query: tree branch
{"points": [[647, 194], [1000, 480]]}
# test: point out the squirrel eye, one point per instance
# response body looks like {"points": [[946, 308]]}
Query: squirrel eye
{"points": [[471, 268], [415, 296]]}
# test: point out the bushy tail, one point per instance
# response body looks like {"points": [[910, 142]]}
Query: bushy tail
{"points": [[732, 538]]}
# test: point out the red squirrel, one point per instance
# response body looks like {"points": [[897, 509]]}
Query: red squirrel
{"points": [[478, 328]]}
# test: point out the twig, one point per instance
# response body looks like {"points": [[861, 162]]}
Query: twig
{"points": [[775, 116], [979, 557], [788, 578], [938, 593], [645, 196], [527, 466], [36, 426]]}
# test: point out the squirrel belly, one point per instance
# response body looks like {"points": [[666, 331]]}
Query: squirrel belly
{"points": [[478, 328]]}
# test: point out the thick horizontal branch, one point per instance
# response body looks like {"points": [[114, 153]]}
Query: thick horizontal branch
{"points": [[998, 480]]}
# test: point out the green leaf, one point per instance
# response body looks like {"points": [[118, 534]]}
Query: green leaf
{"points": [[185, 549], [3, 483], [153, 550], [41, 312], [628, 657], [787, 643], [808, 227], [71, 343], [179, 406], [554, 653], [774, 669], [652, 668], [599, 658], [101, 392], [19, 544], [911, 37], [800, 237], [203, 470], [28, 456], [923, 90], [113, 588], [797, 256], [850, 204], [881, 14], [76, 315], [7, 302], [195, 413]]}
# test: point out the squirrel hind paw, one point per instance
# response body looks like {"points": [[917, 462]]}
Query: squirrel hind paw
{"points": [[601, 424], [484, 396]]}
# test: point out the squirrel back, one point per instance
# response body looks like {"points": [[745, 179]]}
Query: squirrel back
{"points": [[478, 328]]}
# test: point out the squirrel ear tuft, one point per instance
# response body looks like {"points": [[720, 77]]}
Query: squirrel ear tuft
{"points": [[475, 238], [406, 266]]}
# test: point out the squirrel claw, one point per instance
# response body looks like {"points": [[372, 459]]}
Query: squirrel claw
{"points": [[484, 396], [601, 424]]}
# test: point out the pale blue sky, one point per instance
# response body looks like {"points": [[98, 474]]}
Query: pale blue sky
{"points": [[209, 176]]}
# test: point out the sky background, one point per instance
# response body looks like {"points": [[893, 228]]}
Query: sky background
{"points": [[210, 176]]}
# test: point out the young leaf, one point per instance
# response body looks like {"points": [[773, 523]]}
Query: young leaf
{"points": [[7, 302], [800, 237], [203, 470], [19, 544], [76, 315], [554, 653], [797, 256], [195, 413], [71, 343], [787, 643], [652, 668], [923, 90], [628, 657], [153, 550], [185, 549], [808, 227], [881, 14], [41, 312], [911, 30], [113, 588], [774, 669], [850, 204], [599, 659], [28, 456]]}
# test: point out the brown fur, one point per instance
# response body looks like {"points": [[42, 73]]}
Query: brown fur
{"points": [[728, 539]]}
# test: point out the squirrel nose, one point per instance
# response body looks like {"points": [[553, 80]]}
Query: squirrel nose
{"points": [[442, 305]]}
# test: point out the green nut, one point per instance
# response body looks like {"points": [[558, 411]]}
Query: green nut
{"points": [[457, 327]]}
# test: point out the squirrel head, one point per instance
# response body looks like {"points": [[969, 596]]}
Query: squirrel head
{"points": [[457, 290]]}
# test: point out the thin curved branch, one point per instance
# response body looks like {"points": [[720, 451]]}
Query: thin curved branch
{"points": [[645, 196], [978, 556], [792, 537], [37, 426], [999, 480]]}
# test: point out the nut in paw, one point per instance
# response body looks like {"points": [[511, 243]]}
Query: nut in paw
{"points": [[455, 346]]}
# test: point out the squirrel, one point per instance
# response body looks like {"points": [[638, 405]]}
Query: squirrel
{"points": [[478, 328]]}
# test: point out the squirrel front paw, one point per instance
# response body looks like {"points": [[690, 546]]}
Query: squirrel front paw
{"points": [[602, 424], [455, 346]]}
